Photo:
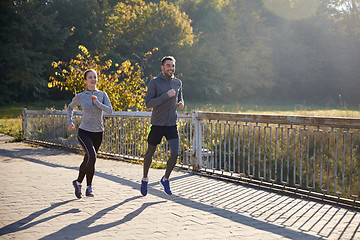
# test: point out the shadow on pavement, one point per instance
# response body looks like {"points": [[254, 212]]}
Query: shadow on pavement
{"points": [[84, 225], [25, 222], [83, 228]]}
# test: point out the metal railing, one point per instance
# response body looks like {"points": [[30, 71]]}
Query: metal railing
{"points": [[309, 155]]}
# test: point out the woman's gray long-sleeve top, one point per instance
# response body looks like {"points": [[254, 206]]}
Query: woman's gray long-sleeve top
{"points": [[92, 119]]}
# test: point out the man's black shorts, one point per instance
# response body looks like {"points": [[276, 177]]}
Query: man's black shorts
{"points": [[157, 133]]}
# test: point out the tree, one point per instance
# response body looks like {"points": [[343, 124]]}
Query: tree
{"points": [[84, 22], [344, 17], [137, 26], [125, 86], [29, 37], [248, 45], [231, 57], [315, 58], [293, 9]]}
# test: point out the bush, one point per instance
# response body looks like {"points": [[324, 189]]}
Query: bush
{"points": [[124, 85]]}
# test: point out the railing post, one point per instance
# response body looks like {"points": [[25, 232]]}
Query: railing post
{"points": [[24, 122], [196, 156]]}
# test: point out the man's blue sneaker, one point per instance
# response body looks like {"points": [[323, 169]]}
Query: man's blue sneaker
{"points": [[166, 185], [77, 187], [144, 187]]}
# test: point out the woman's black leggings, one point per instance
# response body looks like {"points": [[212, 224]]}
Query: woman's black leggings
{"points": [[91, 142]]}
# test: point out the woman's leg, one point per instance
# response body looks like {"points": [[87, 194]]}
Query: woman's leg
{"points": [[86, 143], [96, 139], [91, 143]]}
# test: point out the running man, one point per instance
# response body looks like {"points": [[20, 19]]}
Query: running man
{"points": [[164, 95]]}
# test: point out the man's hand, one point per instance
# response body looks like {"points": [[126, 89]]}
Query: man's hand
{"points": [[171, 92], [71, 127], [181, 105]]}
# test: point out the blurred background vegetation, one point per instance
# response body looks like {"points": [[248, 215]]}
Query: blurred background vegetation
{"points": [[231, 54]]}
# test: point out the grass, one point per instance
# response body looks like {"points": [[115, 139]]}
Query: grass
{"points": [[294, 110], [12, 127], [14, 111], [342, 110], [10, 111], [10, 116]]}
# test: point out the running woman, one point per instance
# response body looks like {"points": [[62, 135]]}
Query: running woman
{"points": [[93, 102], [164, 95]]}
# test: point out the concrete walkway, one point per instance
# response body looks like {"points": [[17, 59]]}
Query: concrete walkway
{"points": [[37, 202]]}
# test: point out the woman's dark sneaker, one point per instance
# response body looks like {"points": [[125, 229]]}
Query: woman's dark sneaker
{"points": [[77, 187], [144, 187], [89, 192]]}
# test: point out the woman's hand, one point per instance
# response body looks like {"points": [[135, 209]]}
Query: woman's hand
{"points": [[71, 127], [94, 98]]}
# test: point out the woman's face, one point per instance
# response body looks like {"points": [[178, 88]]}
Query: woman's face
{"points": [[91, 80]]}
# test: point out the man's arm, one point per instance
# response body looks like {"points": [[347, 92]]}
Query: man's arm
{"points": [[180, 101], [150, 99]]}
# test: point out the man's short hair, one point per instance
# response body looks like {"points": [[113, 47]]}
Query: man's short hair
{"points": [[171, 58]]}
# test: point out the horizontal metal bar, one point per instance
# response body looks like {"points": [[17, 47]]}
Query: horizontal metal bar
{"points": [[337, 122], [128, 114]]}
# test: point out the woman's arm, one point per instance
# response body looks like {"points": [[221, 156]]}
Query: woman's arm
{"points": [[75, 102], [106, 106]]}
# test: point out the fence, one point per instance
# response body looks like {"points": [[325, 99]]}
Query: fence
{"points": [[124, 135], [309, 155]]}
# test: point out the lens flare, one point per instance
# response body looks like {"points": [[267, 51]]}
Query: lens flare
{"points": [[292, 9]]}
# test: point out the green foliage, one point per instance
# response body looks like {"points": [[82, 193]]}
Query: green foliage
{"points": [[158, 165], [249, 69], [84, 22], [294, 10], [125, 86], [226, 50], [315, 58], [146, 25], [29, 37], [136, 26], [12, 127], [232, 57]]}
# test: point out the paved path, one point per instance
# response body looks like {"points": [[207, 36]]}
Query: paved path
{"points": [[37, 202]]}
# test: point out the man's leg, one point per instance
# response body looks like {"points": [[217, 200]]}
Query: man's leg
{"points": [[147, 163], [172, 136], [154, 138], [148, 159], [174, 153]]}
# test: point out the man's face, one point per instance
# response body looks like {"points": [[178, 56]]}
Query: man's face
{"points": [[168, 68]]}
